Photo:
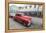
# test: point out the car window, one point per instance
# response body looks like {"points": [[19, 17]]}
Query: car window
{"points": [[18, 14]]}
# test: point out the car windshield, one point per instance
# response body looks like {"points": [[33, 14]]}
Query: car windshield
{"points": [[18, 14]]}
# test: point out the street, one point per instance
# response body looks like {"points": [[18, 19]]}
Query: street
{"points": [[35, 20]]}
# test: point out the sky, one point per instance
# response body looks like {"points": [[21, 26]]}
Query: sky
{"points": [[16, 7]]}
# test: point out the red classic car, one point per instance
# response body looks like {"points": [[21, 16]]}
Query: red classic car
{"points": [[26, 20]]}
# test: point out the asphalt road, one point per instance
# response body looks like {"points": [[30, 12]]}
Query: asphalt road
{"points": [[37, 22]]}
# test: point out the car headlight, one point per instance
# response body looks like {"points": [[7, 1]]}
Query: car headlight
{"points": [[29, 23]]}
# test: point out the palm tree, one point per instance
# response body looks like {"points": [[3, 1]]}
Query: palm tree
{"points": [[12, 9]]}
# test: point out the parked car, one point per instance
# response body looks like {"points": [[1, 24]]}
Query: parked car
{"points": [[26, 20], [11, 15]]}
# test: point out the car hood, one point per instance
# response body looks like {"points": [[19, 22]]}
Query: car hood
{"points": [[27, 17]]}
